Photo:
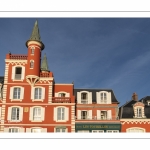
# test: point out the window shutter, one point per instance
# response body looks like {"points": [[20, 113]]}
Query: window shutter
{"points": [[79, 97], [6, 130], [13, 73], [67, 94], [0, 112], [90, 114], [109, 115], [55, 114], [109, 98], [43, 92], [44, 130], [79, 114], [31, 114], [9, 113], [66, 114], [66, 130], [28, 130], [56, 95], [22, 93], [21, 113], [90, 98], [98, 97], [32, 92], [23, 73], [98, 114], [43, 113], [22, 130], [11, 92]]}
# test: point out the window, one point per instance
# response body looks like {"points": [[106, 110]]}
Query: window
{"points": [[83, 131], [15, 113], [60, 130], [16, 93], [103, 115], [139, 112], [60, 113], [61, 94], [38, 93], [97, 131], [135, 130], [13, 130], [84, 98], [18, 72], [32, 50], [37, 114], [31, 64], [112, 131], [36, 130], [103, 98], [84, 114]]}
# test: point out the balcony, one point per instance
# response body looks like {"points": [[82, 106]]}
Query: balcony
{"points": [[61, 100], [46, 74], [95, 118]]}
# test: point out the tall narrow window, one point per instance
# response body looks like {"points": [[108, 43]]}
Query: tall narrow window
{"points": [[60, 113], [13, 130], [16, 93], [31, 64], [84, 114], [32, 50], [18, 72], [103, 97], [15, 113], [103, 115], [139, 112], [38, 93], [84, 98], [37, 113]]}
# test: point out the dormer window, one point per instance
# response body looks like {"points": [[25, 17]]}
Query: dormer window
{"points": [[103, 97], [139, 112], [84, 98], [148, 103]]}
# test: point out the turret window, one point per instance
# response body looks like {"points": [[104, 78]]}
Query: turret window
{"points": [[32, 50], [31, 64]]}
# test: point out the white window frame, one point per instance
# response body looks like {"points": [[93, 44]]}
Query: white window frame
{"points": [[12, 93], [9, 116], [29, 130], [103, 101], [31, 65], [66, 114], [61, 129], [128, 130], [32, 50], [136, 108], [21, 130], [60, 92], [112, 131], [79, 97], [89, 114], [109, 115], [42, 93], [97, 131], [31, 117], [22, 73], [148, 103]]}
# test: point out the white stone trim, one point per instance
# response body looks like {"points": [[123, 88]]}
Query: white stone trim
{"points": [[135, 128], [89, 99], [108, 96], [60, 127], [28, 130], [66, 94]]}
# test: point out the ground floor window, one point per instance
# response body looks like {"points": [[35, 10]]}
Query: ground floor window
{"points": [[97, 131], [83, 131], [61, 130], [136, 130], [13, 130], [112, 131], [36, 130]]}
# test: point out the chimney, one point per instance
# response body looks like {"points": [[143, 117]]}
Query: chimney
{"points": [[135, 97]]}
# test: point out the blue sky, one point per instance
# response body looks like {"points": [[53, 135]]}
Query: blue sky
{"points": [[109, 53]]}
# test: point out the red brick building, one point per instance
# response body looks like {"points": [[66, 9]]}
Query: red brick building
{"points": [[30, 99], [135, 115]]}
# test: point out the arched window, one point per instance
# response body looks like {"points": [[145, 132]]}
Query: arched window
{"points": [[31, 64], [62, 95], [84, 98], [135, 130]]}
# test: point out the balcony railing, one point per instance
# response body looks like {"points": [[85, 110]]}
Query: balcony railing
{"points": [[95, 118], [17, 76], [18, 57], [84, 101], [61, 100]]}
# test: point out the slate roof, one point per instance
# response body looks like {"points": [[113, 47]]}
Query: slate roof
{"points": [[114, 100], [126, 111]]}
